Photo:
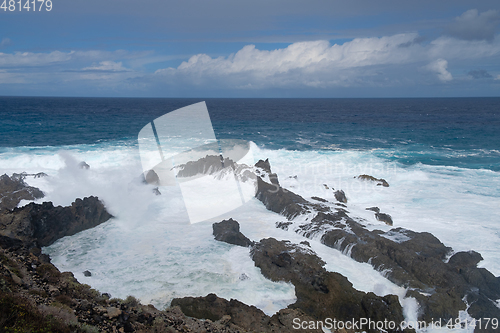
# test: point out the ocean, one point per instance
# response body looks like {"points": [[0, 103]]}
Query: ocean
{"points": [[441, 158]]}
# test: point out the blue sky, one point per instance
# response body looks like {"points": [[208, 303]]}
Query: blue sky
{"points": [[233, 48]]}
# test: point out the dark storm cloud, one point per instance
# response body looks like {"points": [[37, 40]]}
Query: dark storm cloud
{"points": [[473, 25], [480, 74]]}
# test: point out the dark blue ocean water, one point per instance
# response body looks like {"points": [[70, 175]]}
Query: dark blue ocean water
{"points": [[462, 132]]}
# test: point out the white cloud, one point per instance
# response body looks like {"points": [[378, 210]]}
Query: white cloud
{"points": [[360, 62], [107, 66], [28, 59], [439, 66]]}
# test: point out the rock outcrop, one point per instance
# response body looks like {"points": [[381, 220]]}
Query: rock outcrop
{"points": [[14, 189], [234, 312], [42, 224], [340, 196], [229, 231], [321, 294], [410, 259], [36, 297], [386, 218], [379, 181]]}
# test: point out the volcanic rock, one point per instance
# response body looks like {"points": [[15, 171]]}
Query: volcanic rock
{"points": [[229, 231], [83, 165], [237, 313], [14, 189], [380, 182], [266, 167], [42, 224], [374, 209], [340, 196], [384, 218], [320, 294]]}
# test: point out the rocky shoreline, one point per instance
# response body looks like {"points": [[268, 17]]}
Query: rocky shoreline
{"points": [[442, 282]]}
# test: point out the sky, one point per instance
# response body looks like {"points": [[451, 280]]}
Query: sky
{"points": [[258, 48]]}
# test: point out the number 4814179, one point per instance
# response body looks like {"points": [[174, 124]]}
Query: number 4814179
{"points": [[27, 5]]}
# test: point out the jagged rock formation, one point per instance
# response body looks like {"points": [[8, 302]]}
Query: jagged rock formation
{"points": [[379, 181], [14, 189], [36, 297], [266, 167], [410, 259], [386, 218], [340, 196], [321, 294], [229, 231], [207, 165], [245, 316], [42, 224]]}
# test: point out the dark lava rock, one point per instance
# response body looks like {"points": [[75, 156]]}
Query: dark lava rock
{"points": [[235, 312], [306, 243], [374, 209], [320, 294], [380, 182], [413, 260], [279, 200], [83, 165], [266, 167], [319, 199], [340, 196], [418, 263], [207, 165], [87, 273], [12, 243], [384, 218], [229, 231], [14, 189], [43, 224]]}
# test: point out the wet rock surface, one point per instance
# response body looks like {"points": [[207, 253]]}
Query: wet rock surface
{"points": [[380, 182], [320, 294], [414, 260], [14, 189], [36, 297], [229, 231], [386, 218], [42, 224]]}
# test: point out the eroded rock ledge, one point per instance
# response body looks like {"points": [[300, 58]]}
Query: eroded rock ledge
{"points": [[36, 297], [42, 224], [410, 259]]}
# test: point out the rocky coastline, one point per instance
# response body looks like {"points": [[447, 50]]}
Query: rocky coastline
{"points": [[442, 282]]}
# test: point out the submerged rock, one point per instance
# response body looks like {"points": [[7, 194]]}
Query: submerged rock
{"points": [[229, 231], [83, 165]]}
